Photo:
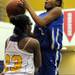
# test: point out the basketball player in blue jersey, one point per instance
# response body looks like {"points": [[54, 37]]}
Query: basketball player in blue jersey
{"points": [[49, 32], [22, 52]]}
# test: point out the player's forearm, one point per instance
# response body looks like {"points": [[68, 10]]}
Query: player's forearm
{"points": [[36, 18]]}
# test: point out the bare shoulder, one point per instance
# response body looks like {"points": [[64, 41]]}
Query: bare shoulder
{"points": [[34, 41], [56, 11], [58, 8], [30, 39], [28, 43]]}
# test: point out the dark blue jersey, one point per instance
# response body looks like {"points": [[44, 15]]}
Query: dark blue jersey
{"points": [[51, 35], [50, 38]]}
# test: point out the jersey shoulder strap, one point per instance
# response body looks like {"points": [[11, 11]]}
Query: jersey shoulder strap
{"points": [[26, 43]]}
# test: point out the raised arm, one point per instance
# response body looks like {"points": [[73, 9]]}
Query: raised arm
{"points": [[52, 15]]}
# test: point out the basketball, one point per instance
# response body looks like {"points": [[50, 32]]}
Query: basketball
{"points": [[15, 7]]}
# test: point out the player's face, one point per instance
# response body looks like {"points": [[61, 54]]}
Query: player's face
{"points": [[49, 4]]}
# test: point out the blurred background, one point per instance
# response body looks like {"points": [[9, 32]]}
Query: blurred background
{"points": [[67, 66]]}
